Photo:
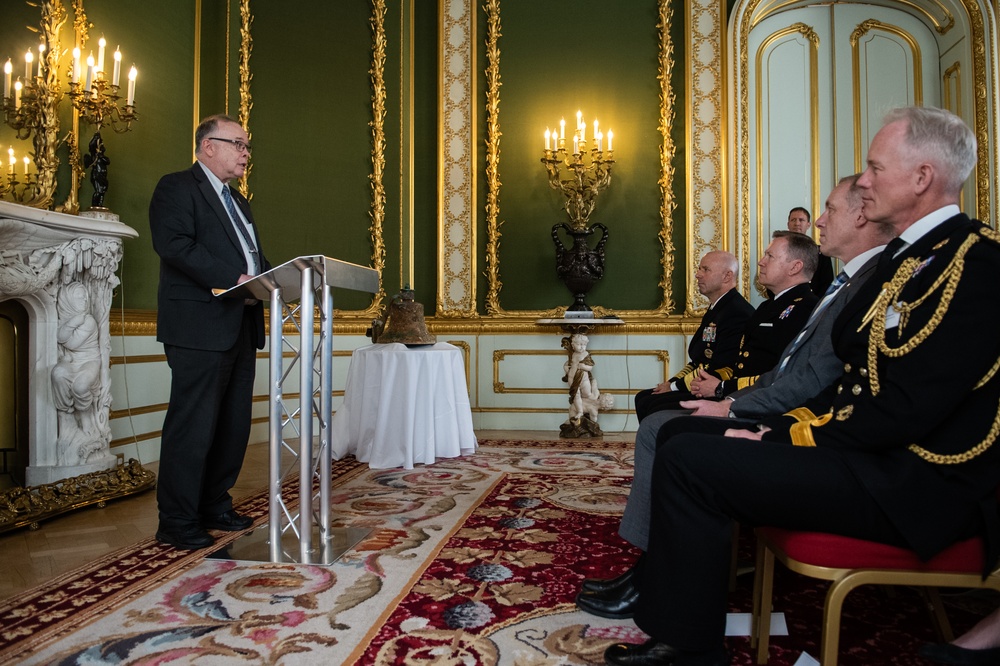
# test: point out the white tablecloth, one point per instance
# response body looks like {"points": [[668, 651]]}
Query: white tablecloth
{"points": [[404, 405]]}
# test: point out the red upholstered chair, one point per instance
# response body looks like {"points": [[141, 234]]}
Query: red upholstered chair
{"points": [[849, 563]]}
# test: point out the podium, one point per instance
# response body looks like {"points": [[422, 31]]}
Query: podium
{"points": [[308, 280]]}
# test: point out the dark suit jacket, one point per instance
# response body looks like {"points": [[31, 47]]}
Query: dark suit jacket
{"points": [[935, 390], [774, 324], [717, 340], [824, 275], [812, 366], [199, 251]]}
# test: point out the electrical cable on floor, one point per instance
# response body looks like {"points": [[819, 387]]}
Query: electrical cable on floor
{"points": [[128, 399]]}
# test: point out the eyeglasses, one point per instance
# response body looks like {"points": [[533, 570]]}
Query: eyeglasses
{"points": [[239, 143]]}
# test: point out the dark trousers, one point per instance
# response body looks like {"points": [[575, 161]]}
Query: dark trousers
{"points": [[647, 402], [704, 484], [206, 429]]}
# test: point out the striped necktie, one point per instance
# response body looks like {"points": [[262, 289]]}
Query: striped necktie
{"points": [[831, 292], [227, 197]]}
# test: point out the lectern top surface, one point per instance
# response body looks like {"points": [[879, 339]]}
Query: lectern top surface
{"points": [[288, 277]]}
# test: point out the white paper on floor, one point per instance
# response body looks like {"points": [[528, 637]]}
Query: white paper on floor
{"points": [[805, 660], [738, 624]]}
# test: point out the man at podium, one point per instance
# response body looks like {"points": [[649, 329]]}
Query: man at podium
{"points": [[205, 236]]}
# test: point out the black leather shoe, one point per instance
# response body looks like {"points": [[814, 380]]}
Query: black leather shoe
{"points": [[185, 538], [618, 606], [947, 653], [605, 585], [230, 521], [650, 653], [655, 653]]}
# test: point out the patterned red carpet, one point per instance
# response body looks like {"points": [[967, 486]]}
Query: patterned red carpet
{"points": [[474, 560]]}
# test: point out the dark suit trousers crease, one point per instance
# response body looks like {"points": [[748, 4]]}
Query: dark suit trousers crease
{"points": [[206, 429], [702, 483]]}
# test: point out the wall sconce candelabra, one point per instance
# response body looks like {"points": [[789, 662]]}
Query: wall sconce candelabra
{"points": [[10, 187], [30, 107], [589, 174]]}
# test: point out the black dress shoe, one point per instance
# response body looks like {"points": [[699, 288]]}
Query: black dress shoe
{"points": [[605, 585], [650, 653], [185, 538], [655, 653], [619, 605], [947, 653], [230, 521]]}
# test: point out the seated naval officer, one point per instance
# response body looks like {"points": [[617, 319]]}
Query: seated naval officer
{"points": [[785, 268], [717, 340]]}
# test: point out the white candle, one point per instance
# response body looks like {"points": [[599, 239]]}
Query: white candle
{"points": [[132, 73], [17, 93], [599, 136], [90, 72], [117, 75], [576, 144], [76, 65], [10, 156], [611, 135], [595, 129], [101, 43], [562, 129], [41, 58], [579, 119], [548, 137], [29, 58], [8, 68], [26, 161]]}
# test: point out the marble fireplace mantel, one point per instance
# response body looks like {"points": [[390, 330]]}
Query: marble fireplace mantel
{"points": [[61, 268]]}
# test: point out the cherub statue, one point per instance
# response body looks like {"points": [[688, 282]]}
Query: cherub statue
{"points": [[585, 398]]}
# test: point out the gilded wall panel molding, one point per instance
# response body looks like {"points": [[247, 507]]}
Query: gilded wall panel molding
{"points": [[377, 213], [763, 53], [857, 34], [667, 150], [246, 98], [985, 123], [500, 355], [456, 294], [706, 143]]}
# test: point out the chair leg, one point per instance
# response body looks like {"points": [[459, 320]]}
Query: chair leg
{"points": [[938, 614], [734, 561], [832, 609], [760, 630]]}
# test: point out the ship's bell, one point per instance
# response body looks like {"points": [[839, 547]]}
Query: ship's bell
{"points": [[404, 322]]}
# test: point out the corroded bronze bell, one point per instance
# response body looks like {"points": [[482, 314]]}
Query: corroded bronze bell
{"points": [[404, 322]]}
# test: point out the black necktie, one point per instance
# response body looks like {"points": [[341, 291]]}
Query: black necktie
{"points": [[889, 253], [227, 197]]}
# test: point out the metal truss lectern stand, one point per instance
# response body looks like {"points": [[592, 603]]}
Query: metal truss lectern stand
{"points": [[307, 280]]}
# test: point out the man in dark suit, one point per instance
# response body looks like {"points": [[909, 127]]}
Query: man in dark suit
{"points": [[799, 221], [807, 366], [899, 449], [717, 340], [206, 239]]}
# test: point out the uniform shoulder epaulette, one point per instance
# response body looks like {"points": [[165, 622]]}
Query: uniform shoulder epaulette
{"points": [[990, 233]]}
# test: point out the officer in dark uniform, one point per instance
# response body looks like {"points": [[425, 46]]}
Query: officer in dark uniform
{"points": [[717, 340], [901, 449], [785, 268]]}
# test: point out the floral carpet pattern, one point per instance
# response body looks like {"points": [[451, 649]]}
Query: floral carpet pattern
{"points": [[472, 560]]}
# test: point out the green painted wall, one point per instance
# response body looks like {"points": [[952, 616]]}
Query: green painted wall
{"points": [[600, 58], [310, 125]]}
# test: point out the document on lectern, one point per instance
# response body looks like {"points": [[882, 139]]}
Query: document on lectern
{"points": [[288, 278]]}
